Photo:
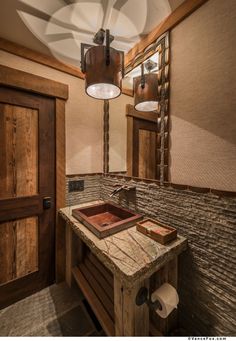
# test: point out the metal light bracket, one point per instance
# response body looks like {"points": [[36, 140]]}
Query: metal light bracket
{"points": [[107, 47], [142, 297], [98, 39], [150, 65], [142, 77], [82, 60]]}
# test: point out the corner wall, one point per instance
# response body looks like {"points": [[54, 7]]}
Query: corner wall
{"points": [[203, 97]]}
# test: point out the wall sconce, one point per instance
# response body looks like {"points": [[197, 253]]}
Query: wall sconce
{"points": [[103, 67], [146, 89]]}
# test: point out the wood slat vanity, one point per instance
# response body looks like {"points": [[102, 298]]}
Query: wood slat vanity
{"points": [[111, 271]]}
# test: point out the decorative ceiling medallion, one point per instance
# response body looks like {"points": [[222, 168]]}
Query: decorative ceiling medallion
{"points": [[62, 25]]}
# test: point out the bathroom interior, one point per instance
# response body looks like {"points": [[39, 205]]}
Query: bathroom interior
{"points": [[118, 168]]}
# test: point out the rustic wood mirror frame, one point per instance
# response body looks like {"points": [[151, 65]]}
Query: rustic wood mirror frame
{"points": [[161, 45]]}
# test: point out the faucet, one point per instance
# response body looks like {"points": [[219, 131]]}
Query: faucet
{"points": [[121, 188]]}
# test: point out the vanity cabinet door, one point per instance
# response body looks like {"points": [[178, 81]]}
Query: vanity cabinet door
{"points": [[27, 185]]}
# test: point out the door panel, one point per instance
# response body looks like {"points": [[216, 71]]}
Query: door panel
{"points": [[19, 248], [144, 148], [27, 175], [19, 156], [147, 152]]}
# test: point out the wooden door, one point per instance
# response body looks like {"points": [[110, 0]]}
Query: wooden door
{"points": [[27, 176], [144, 148]]}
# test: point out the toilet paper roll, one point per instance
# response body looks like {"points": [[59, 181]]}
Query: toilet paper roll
{"points": [[168, 298]]}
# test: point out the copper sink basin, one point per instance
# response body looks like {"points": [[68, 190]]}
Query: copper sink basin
{"points": [[106, 218]]}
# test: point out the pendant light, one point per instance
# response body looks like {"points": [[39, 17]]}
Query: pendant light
{"points": [[103, 67], [146, 89]]}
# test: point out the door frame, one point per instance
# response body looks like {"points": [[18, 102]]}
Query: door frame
{"points": [[31, 83]]}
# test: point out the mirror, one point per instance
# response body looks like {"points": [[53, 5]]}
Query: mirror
{"points": [[138, 141]]}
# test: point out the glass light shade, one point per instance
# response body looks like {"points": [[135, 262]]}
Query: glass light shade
{"points": [[102, 80], [103, 91], [146, 106], [146, 98]]}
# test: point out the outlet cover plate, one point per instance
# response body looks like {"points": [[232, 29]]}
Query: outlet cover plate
{"points": [[76, 186]]}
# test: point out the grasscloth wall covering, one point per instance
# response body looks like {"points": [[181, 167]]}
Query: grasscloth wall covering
{"points": [[207, 270], [118, 133], [203, 97]]}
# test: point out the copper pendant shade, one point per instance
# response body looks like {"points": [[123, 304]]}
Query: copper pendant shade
{"points": [[103, 68], [103, 81], [146, 92]]}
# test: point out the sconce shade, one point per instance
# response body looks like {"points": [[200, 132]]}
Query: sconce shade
{"points": [[146, 97], [102, 79]]}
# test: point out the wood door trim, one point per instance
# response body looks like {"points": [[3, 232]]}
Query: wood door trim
{"points": [[60, 153], [39, 57], [147, 116], [178, 15], [32, 83], [60, 188]]}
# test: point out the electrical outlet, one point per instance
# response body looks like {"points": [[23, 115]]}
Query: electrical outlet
{"points": [[76, 186]]}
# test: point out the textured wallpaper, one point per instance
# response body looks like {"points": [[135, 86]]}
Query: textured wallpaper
{"points": [[203, 98]]}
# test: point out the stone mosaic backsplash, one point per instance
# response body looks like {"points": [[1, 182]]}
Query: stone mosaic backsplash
{"points": [[92, 189]]}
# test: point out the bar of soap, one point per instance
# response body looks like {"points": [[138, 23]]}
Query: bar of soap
{"points": [[161, 230]]}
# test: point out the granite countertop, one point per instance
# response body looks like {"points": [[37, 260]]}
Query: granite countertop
{"points": [[128, 254]]}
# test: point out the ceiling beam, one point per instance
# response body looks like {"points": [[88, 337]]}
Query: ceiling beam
{"points": [[179, 14]]}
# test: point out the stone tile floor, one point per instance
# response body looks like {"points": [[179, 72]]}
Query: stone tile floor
{"points": [[53, 311]]}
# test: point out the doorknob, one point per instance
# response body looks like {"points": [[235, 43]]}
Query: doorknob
{"points": [[47, 203]]}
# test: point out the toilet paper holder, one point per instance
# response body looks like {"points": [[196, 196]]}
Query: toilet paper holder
{"points": [[142, 297]]}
